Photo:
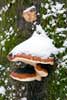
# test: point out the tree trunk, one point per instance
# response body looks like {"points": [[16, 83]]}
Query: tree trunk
{"points": [[36, 90]]}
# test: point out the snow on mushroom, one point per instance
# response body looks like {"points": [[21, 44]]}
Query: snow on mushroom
{"points": [[38, 48], [29, 14], [35, 50]]}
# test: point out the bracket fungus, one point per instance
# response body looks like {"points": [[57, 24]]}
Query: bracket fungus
{"points": [[30, 14], [33, 51], [25, 74]]}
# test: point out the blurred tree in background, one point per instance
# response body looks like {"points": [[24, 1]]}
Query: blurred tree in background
{"points": [[13, 30]]}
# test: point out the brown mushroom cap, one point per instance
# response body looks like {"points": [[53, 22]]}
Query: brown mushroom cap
{"points": [[25, 74], [30, 14], [32, 60], [41, 71]]}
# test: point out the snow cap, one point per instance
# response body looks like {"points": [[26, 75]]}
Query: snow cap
{"points": [[29, 8], [37, 45]]}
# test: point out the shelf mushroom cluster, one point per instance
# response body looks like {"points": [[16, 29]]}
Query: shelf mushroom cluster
{"points": [[34, 51]]}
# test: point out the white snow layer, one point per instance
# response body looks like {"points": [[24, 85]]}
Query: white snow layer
{"points": [[2, 90], [37, 45], [29, 8]]}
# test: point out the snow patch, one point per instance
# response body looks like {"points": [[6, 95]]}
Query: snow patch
{"points": [[13, 1], [58, 98], [8, 4], [6, 81], [2, 90], [61, 11], [0, 66], [60, 30], [65, 57], [29, 8], [9, 32], [47, 15], [24, 98], [3, 48], [6, 7], [57, 71], [42, 5], [46, 5], [61, 50], [3, 42], [59, 6], [58, 83], [65, 43], [0, 18], [63, 35], [54, 9], [23, 87]]}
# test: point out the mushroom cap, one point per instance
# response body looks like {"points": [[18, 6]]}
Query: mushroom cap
{"points": [[41, 70], [25, 74], [32, 60], [29, 14]]}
